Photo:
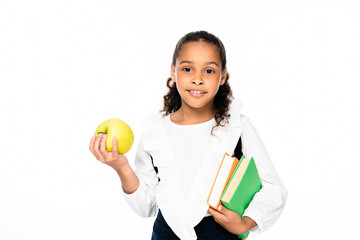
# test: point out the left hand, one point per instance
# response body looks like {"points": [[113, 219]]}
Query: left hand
{"points": [[232, 221]]}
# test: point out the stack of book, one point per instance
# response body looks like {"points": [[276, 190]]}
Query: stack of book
{"points": [[235, 184]]}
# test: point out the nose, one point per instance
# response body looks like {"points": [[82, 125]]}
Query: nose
{"points": [[197, 80]]}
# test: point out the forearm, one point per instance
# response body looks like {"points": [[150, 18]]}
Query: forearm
{"points": [[130, 182]]}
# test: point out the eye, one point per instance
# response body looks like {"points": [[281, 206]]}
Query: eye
{"points": [[209, 71], [186, 69]]}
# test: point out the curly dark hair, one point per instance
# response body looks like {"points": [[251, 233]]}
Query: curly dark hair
{"points": [[223, 98]]}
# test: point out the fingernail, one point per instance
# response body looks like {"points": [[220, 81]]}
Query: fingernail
{"points": [[220, 207]]}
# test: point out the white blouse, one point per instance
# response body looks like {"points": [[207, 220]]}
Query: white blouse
{"points": [[189, 144], [187, 158]]}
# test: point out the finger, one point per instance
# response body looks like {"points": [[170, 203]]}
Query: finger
{"points": [[91, 146], [224, 210], [97, 148], [115, 146], [218, 216], [103, 150], [97, 142], [211, 211]]}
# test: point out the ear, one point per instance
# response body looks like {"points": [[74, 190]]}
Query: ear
{"points": [[223, 76], [172, 72]]}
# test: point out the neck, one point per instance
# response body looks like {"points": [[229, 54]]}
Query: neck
{"points": [[187, 115]]}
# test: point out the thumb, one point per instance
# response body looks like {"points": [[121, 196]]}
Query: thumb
{"points": [[223, 210]]}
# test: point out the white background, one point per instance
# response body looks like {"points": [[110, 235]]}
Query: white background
{"points": [[66, 66]]}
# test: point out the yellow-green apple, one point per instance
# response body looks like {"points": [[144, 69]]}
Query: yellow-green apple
{"points": [[116, 128]]}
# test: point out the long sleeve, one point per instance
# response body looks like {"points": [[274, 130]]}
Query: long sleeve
{"points": [[143, 200], [269, 202]]}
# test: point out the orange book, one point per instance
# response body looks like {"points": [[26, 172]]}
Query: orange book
{"points": [[223, 175]]}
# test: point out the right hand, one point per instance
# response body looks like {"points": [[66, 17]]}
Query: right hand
{"points": [[113, 159]]}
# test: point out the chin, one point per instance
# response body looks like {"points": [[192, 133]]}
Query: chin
{"points": [[198, 105]]}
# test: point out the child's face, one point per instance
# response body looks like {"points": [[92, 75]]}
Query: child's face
{"points": [[198, 74]]}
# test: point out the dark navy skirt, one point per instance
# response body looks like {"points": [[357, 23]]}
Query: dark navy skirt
{"points": [[207, 229]]}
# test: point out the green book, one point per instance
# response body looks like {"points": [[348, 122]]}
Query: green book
{"points": [[241, 188]]}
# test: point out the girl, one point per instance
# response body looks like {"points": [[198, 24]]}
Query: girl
{"points": [[180, 150]]}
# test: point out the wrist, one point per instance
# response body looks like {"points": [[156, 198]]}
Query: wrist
{"points": [[122, 168], [249, 223], [130, 182]]}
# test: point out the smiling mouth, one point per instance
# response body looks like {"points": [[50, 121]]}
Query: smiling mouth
{"points": [[196, 93], [193, 91]]}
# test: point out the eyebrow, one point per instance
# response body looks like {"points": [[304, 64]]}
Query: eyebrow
{"points": [[208, 63]]}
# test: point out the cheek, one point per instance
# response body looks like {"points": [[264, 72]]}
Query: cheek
{"points": [[179, 86], [216, 89], [180, 79], [215, 82]]}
